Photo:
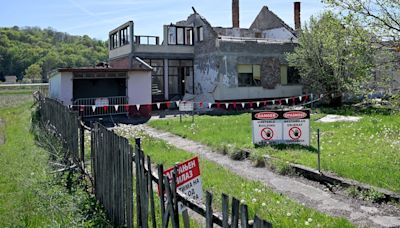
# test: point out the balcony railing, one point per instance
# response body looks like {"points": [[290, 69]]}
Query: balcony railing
{"points": [[101, 106], [147, 40]]}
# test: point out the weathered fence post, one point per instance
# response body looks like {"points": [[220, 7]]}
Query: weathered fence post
{"points": [[209, 210], [235, 213], [319, 152], [138, 183], [82, 144], [225, 208], [244, 216], [161, 190], [151, 194]]}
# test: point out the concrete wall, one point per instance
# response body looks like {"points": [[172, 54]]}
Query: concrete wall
{"points": [[139, 87], [237, 93], [55, 86], [216, 75], [120, 51], [66, 88]]}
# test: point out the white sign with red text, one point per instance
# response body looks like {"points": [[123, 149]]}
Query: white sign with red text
{"points": [[188, 179], [281, 127]]}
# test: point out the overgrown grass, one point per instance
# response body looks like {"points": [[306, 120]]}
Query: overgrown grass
{"points": [[278, 209], [367, 151], [30, 196]]}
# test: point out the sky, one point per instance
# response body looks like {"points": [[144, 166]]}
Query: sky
{"points": [[96, 18]]}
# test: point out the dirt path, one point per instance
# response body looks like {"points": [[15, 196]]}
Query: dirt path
{"points": [[305, 192]]}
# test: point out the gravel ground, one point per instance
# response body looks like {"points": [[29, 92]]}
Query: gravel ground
{"points": [[332, 201]]}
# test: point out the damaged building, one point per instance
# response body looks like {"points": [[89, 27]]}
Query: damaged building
{"points": [[201, 62]]}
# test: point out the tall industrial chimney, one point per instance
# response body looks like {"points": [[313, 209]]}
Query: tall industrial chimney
{"points": [[297, 25], [235, 13]]}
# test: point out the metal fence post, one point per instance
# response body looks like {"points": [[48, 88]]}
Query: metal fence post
{"points": [[319, 151]]}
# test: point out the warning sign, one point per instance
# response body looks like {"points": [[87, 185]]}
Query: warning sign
{"points": [[267, 133], [295, 133], [188, 179], [281, 127]]}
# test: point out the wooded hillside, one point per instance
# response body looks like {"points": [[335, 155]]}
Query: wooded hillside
{"points": [[34, 52]]}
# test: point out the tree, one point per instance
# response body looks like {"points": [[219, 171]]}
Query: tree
{"points": [[381, 17], [34, 72], [330, 58]]}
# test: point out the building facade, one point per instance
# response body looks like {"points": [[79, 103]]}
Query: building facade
{"points": [[196, 61]]}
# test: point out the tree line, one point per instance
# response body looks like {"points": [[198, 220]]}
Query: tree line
{"points": [[32, 53]]}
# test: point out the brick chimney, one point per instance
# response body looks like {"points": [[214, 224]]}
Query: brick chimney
{"points": [[235, 13], [297, 24]]}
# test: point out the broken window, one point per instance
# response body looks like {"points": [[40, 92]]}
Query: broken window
{"points": [[189, 36], [249, 75], [180, 77], [114, 40], [119, 38], [200, 33], [289, 75], [171, 35], [293, 76], [157, 78], [180, 35], [124, 34]]}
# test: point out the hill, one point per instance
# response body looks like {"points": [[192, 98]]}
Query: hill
{"points": [[43, 50]]}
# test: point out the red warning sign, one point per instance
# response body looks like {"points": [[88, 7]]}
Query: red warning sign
{"points": [[267, 133], [295, 133]]}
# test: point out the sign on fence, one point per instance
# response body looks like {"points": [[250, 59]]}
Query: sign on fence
{"points": [[100, 102], [281, 127], [188, 179]]}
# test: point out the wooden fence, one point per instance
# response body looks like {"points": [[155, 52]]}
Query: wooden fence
{"points": [[111, 157], [117, 168], [146, 209], [65, 125]]}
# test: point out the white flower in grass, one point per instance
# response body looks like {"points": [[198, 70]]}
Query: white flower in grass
{"points": [[32, 174], [309, 219], [278, 202], [263, 204], [242, 201], [306, 223], [288, 214], [254, 200]]}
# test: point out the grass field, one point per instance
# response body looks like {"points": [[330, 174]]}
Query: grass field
{"points": [[367, 151], [30, 196], [278, 209]]}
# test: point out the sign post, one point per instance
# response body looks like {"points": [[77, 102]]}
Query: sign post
{"points": [[281, 127], [188, 179], [186, 106]]}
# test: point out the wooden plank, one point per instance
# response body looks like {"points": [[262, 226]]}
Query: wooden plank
{"points": [[174, 196], [162, 190], [225, 208], [235, 213], [130, 199], [151, 194], [143, 192], [209, 210], [137, 165], [244, 216]]}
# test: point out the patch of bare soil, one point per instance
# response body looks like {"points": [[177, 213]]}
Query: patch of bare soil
{"points": [[327, 199]]}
